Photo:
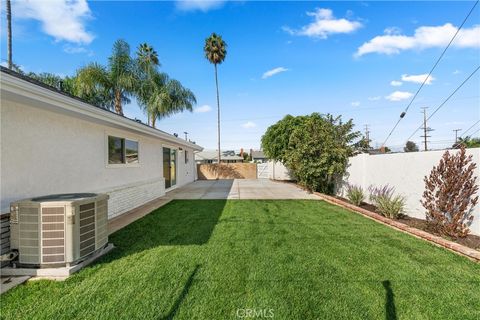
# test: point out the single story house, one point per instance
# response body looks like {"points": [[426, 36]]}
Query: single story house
{"points": [[52, 143], [212, 157], [258, 156]]}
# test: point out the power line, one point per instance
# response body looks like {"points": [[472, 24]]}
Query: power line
{"points": [[475, 132], [429, 74], [446, 100], [464, 132]]}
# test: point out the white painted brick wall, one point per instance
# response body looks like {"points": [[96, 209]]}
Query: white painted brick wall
{"points": [[128, 197]]}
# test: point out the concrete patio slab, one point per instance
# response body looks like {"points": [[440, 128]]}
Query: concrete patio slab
{"points": [[239, 189]]}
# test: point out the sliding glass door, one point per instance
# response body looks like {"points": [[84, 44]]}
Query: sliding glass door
{"points": [[170, 167]]}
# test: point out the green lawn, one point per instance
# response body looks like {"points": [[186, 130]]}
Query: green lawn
{"points": [[213, 259]]}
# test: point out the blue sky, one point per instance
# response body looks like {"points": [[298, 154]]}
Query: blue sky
{"points": [[362, 60]]}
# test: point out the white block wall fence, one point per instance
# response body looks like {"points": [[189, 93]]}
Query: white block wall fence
{"points": [[405, 172]]}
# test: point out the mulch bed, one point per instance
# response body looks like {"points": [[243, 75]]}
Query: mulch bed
{"points": [[471, 241]]}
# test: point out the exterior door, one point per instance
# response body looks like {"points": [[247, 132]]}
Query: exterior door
{"points": [[173, 167], [170, 167]]}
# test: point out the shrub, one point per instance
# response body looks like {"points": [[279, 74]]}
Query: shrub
{"points": [[389, 205], [382, 191], [355, 194], [316, 148], [449, 195]]}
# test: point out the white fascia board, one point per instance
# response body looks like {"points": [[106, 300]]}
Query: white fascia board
{"points": [[64, 104]]}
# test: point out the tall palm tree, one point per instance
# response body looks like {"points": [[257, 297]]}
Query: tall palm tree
{"points": [[215, 51], [147, 57], [147, 64], [9, 34], [118, 81], [157, 94], [165, 97]]}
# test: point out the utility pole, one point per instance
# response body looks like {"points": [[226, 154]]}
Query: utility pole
{"points": [[186, 134], [367, 136], [9, 34], [426, 129], [456, 135]]}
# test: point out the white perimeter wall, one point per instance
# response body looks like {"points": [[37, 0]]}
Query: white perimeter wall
{"points": [[43, 152], [405, 172]]}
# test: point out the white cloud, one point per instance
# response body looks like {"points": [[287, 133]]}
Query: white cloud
{"points": [[198, 5], [376, 98], [355, 103], [324, 24], [273, 72], [419, 78], [399, 95], [396, 83], [424, 37], [61, 19], [457, 71], [392, 30], [203, 109], [249, 125]]}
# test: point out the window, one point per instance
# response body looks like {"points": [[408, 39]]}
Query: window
{"points": [[131, 151], [115, 150], [122, 151], [186, 156]]}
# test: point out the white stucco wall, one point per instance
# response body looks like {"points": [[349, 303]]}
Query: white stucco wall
{"points": [[44, 152], [405, 172]]}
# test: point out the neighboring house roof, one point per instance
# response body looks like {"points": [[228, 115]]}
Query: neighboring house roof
{"points": [[258, 155], [23, 89], [213, 155]]}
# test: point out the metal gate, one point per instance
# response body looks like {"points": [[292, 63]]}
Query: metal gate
{"points": [[262, 171]]}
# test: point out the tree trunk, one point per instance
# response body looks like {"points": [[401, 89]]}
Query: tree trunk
{"points": [[118, 102], [218, 119], [154, 119], [9, 34]]}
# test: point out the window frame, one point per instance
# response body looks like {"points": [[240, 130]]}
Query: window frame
{"points": [[125, 164]]}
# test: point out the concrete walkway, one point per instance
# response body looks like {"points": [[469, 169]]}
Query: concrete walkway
{"points": [[239, 189]]}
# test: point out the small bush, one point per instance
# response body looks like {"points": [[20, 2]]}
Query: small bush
{"points": [[383, 191], [355, 194], [389, 205], [450, 194]]}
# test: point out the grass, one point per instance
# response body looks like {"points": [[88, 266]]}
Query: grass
{"points": [[213, 259]]}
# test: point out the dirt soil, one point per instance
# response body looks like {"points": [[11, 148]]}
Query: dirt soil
{"points": [[471, 241]]}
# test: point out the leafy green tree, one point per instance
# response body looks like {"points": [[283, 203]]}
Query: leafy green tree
{"points": [[363, 145], [117, 82], [275, 141], [215, 51], [410, 146], [315, 148], [467, 142]]}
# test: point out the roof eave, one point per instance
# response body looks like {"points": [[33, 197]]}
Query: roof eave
{"points": [[72, 106]]}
